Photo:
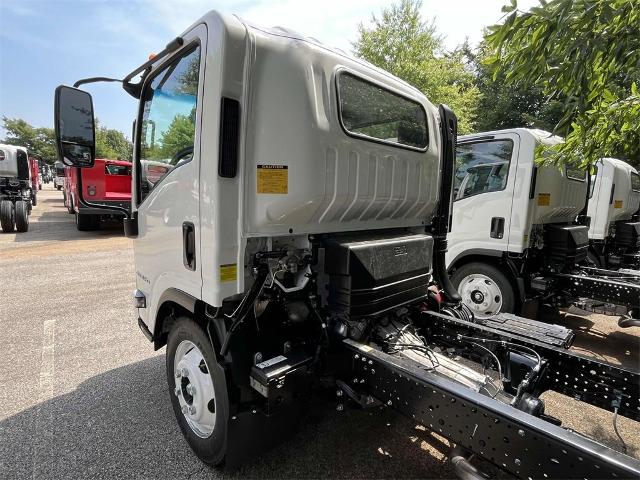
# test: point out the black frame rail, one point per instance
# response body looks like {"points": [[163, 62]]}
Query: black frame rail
{"points": [[605, 286], [582, 378], [524, 445]]}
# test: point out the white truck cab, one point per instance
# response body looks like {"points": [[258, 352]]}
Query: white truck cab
{"points": [[290, 214], [614, 204], [515, 240], [16, 189]]}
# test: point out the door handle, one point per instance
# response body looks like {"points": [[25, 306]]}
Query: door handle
{"points": [[189, 245], [497, 227]]}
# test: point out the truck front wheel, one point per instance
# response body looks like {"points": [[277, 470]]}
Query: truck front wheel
{"points": [[22, 216], [484, 289], [198, 391], [6, 216]]}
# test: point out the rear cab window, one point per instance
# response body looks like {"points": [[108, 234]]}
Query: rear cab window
{"points": [[371, 112], [481, 167], [635, 182]]}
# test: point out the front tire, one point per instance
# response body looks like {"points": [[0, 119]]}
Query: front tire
{"points": [[22, 216], [6, 216], [198, 391], [485, 289]]}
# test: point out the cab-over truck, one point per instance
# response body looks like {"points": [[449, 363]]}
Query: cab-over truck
{"points": [[614, 212], [296, 243], [520, 234]]}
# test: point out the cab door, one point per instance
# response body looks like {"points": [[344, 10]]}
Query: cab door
{"points": [[166, 180], [483, 194]]}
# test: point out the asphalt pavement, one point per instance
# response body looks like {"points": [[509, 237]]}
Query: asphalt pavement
{"points": [[83, 394]]}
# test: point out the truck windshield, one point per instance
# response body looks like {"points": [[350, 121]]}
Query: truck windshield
{"points": [[481, 167], [169, 118]]}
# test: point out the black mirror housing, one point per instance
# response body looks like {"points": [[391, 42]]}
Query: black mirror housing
{"points": [[75, 127]]}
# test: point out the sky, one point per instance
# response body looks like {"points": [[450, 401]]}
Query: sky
{"points": [[45, 43]]}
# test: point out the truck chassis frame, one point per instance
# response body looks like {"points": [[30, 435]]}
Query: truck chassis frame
{"points": [[522, 444]]}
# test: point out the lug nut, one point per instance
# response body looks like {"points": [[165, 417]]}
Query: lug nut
{"points": [[178, 391], [185, 409], [192, 410], [339, 393], [185, 372], [340, 407], [191, 390], [178, 373]]}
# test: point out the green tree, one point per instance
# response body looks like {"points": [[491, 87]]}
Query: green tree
{"points": [[508, 106], [178, 136], [111, 143], [586, 53], [40, 141], [401, 42]]}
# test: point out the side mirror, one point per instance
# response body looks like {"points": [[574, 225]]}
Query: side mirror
{"points": [[75, 127]]}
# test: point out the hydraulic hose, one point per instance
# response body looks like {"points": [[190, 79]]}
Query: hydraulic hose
{"points": [[442, 220]]}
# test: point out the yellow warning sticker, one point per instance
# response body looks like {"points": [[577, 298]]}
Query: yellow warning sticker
{"points": [[544, 199], [273, 179], [617, 204], [228, 272]]}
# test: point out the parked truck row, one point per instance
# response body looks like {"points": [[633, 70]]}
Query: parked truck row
{"points": [[294, 241], [18, 188]]}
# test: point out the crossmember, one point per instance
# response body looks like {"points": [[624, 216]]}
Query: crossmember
{"points": [[522, 444], [585, 379]]}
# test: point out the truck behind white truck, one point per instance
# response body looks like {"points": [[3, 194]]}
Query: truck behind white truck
{"points": [[293, 244], [16, 190], [614, 210], [516, 242]]}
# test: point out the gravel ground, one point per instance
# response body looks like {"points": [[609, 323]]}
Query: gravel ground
{"points": [[82, 393]]}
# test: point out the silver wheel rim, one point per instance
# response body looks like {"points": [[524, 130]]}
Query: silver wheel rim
{"points": [[481, 294], [194, 389]]}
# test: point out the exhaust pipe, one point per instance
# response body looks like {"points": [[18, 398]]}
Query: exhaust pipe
{"points": [[463, 468], [442, 220]]}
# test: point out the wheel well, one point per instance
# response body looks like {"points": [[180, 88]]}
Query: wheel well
{"points": [[493, 261], [166, 317]]}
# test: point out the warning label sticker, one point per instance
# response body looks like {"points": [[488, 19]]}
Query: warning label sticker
{"points": [[228, 272], [617, 204], [273, 179], [544, 199]]}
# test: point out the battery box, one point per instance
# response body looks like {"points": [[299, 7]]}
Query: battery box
{"points": [[281, 379]]}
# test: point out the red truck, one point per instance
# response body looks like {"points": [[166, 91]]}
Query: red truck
{"points": [[108, 182], [36, 180]]}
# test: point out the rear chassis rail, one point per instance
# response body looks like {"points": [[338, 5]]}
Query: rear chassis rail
{"points": [[522, 444], [585, 379], [608, 286]]}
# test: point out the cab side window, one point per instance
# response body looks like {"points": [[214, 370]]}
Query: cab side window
{"points": [[481, 167], [168, 125]]}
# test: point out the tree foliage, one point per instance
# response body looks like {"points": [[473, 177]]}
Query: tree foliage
{"points": [[40, 141], [587, 53], [401, 42], [510, 106], [110, 143]]}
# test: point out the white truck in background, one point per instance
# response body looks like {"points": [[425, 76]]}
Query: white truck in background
{"points": [[515, 242], [614, 212], [16, 190], [294, 241]]}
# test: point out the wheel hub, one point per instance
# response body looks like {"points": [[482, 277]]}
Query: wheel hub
{"points": [[481, 294], [194, 389]]}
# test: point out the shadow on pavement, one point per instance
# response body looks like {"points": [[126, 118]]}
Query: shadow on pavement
{"points": [[60, 225], [120, 424]]}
